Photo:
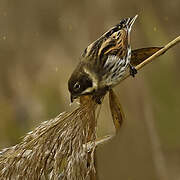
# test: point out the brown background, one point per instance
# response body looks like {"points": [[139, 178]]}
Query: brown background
{"points": [[40, 44]]}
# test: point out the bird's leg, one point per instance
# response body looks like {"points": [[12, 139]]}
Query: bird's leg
{"points": [[98, 96], [133, 70]]}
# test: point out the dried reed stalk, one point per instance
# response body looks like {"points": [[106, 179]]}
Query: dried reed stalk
{"points": [[63, 147], [155, 55], [57, 149]]}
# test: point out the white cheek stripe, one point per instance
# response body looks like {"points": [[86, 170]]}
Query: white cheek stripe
{"points": [[94, 81], [88, 90]]}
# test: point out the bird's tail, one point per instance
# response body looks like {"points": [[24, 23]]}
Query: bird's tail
{"points": [[130, 22]]}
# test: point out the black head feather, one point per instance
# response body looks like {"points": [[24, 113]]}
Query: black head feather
{"points": [[79, 82]]}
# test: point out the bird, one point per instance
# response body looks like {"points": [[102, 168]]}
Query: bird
{"points": [[103, 63]]}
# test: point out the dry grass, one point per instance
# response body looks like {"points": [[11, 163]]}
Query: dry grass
{"points": [[57, 149]]}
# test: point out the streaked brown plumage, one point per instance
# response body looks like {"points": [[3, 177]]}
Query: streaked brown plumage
{"points": [[103, 62]]}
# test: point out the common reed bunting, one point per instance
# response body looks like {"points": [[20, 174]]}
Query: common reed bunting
{"points": [[103, 63]]}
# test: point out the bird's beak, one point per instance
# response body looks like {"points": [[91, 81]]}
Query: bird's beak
{"points": [[72, 98]]}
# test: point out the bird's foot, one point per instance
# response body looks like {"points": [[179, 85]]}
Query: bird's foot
{"points": [[98, 96], [133, 70]]}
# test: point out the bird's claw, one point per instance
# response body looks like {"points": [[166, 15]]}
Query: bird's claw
{"points": [[133, 70]]}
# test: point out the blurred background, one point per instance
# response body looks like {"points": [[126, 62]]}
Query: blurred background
{"points": [[40, 44]]}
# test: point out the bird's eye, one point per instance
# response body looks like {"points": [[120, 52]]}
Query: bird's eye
{"points": [[77, 86]]}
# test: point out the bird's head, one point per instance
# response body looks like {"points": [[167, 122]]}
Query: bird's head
{"points": [[80, 83]]}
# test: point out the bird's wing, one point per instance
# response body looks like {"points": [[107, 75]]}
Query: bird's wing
{"points": [[114, 42]]}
